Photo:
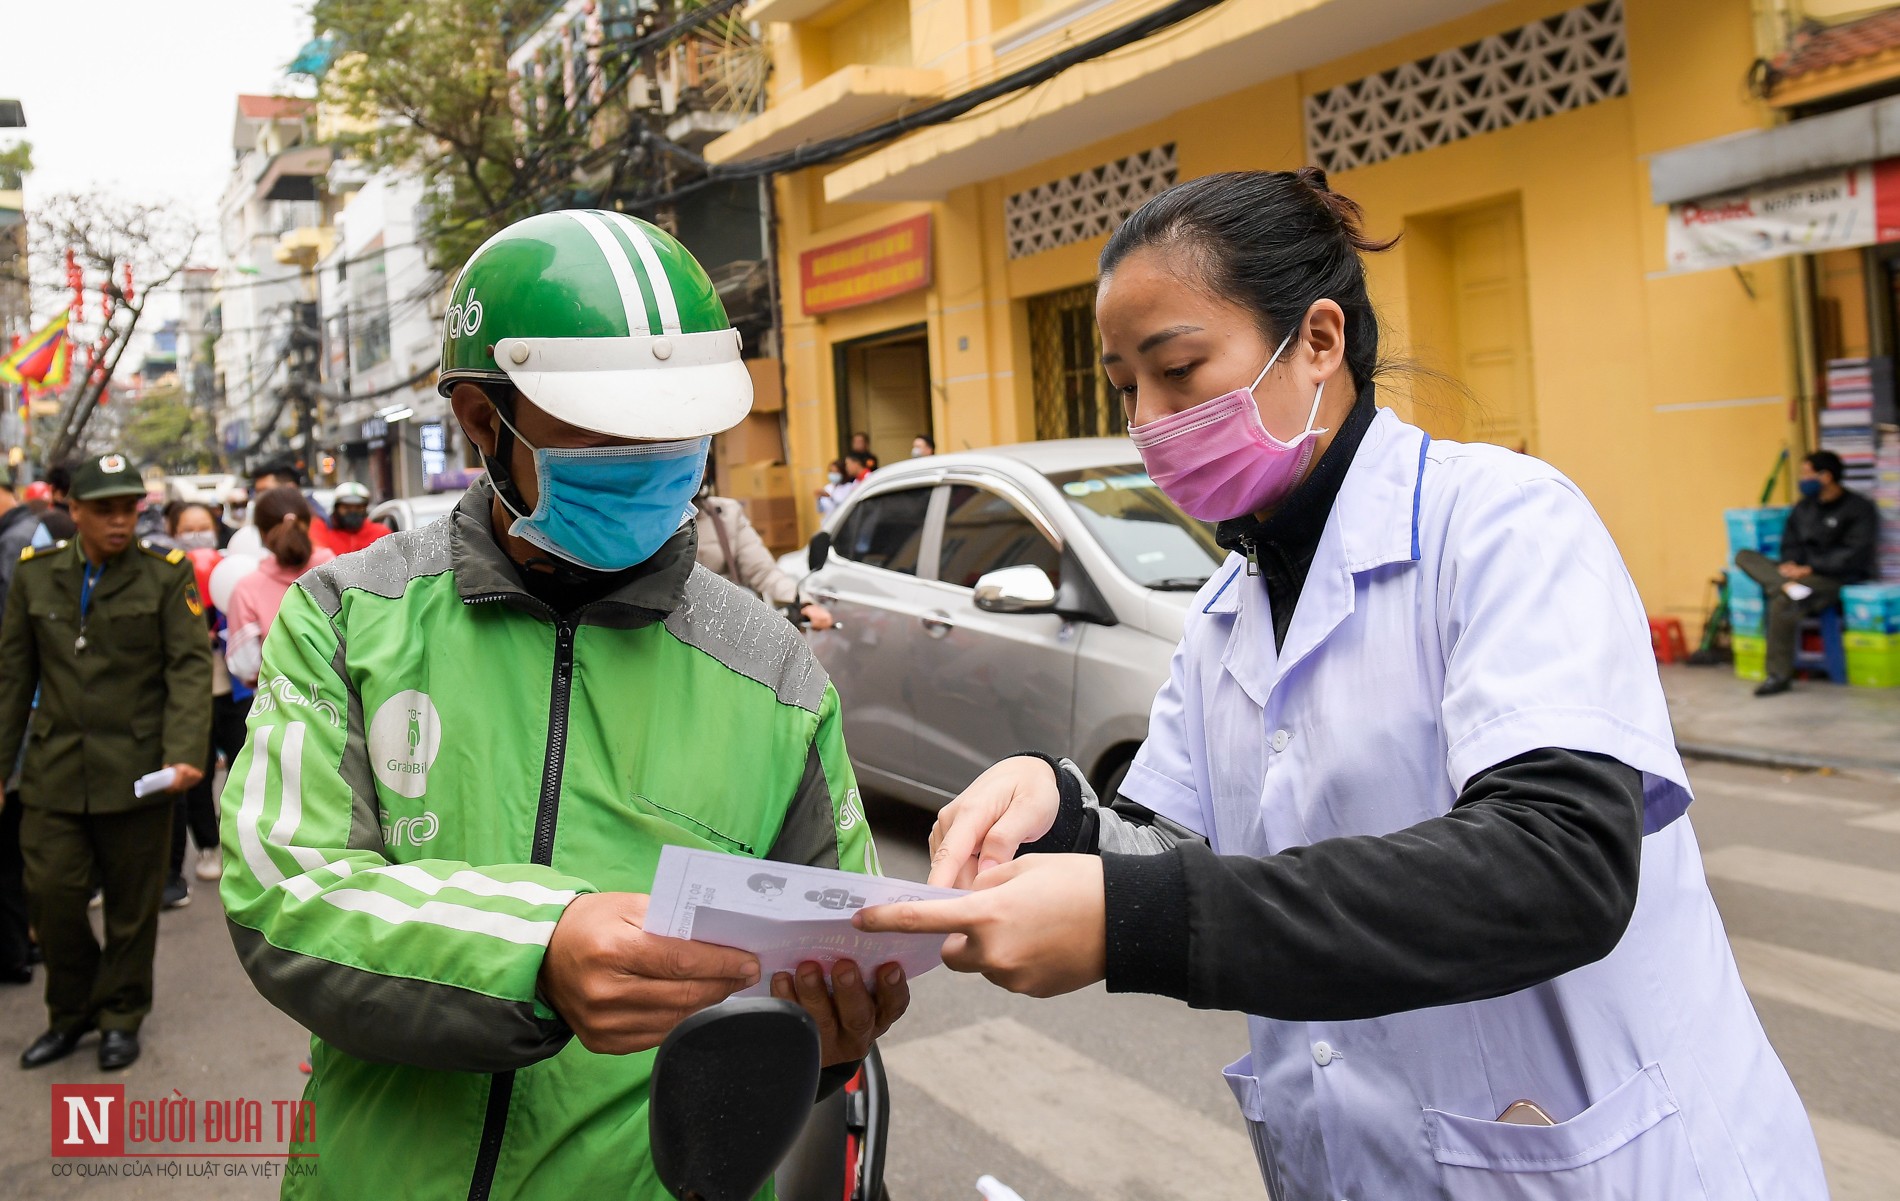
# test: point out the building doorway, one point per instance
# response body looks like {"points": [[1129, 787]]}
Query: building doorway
{"points": [[1470, 314], [1073, 399], [884, 391]]}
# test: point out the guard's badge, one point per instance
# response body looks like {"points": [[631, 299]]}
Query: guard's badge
{"points": [[26, 552], [192, 602], [177, 556], [112, 464]]}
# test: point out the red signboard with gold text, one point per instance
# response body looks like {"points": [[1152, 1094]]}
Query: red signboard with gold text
{"points": [[876, 266]]}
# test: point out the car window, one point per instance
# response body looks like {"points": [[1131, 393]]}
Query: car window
{"points": [[885, 530], [983, 532], [1147, 535]]}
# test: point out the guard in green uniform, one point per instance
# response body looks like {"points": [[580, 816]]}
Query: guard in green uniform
{"points": [[111, 637]]}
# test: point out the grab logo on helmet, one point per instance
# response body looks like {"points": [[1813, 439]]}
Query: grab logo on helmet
{"points": [[465, 319], [603, 321]]}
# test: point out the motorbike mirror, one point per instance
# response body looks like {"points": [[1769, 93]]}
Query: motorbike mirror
{"points": [[819, 551], [732, 1087]]}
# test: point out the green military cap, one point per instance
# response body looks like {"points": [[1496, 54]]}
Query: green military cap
{"points": [[107, 475]]}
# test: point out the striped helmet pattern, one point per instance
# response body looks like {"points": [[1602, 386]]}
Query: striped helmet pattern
{"points": [[576, 273]]}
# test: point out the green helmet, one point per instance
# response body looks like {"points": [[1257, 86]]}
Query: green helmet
{"points": [[603, 321]]}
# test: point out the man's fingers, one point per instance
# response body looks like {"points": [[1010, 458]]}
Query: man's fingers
{"points": [[809, 984], [663, 958], [918, 917], [893, 996], [857, 1012]]}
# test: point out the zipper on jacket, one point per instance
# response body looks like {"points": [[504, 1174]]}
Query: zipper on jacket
{"points": [[502, 1084]]}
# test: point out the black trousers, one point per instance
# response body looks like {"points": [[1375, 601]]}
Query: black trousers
{"points": [[65, 854], [1785, 613], [197, 808], [13, 936]]}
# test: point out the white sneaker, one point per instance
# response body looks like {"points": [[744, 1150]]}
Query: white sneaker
{"points": [[210, 865], [98, 899]]}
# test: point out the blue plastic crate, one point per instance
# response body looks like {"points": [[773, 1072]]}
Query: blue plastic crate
{"points": [[1872, 608], [1748, 614]]}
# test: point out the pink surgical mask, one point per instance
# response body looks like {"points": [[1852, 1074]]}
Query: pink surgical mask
{"points": [[1217, 461]]}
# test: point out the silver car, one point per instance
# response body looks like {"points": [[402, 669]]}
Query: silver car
{"points": [[1019, 598], [414, 512]]}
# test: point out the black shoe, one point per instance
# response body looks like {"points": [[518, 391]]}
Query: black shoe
{"points": [[52, 1046], [118, 1049], [1774, 686], [177, 895], [23, 974], [34, 954]]}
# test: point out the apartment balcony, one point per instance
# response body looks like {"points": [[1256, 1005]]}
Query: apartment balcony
{"points": [[839, 103], [292, 174]]}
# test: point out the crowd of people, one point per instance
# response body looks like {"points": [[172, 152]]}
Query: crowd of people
{"points": [[130, 643]]}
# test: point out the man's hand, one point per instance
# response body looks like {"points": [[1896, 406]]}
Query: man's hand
{"points": [[187, 777], [1795, 571], [819, 617], [623, 990], [1037, 925], [1014, 802], [849, 1018]]}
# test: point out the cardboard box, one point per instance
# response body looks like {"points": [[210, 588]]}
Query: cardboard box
{"points": [[768, 395], [776, 520], [745, 482], [1742, 586], [1872, 608], [757, 439], [1751, 656], [1748, 615], [1873, 660], [1757, 529]]}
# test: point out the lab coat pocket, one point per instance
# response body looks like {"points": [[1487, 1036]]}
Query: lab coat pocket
{"points": [[1631, 1145], [1246, 1087]]}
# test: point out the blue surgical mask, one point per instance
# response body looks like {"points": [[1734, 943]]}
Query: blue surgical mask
{"points": [[1809, 488], [608, 508]]}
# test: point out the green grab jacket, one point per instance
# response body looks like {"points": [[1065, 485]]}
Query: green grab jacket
{"points": [[437, 764]]}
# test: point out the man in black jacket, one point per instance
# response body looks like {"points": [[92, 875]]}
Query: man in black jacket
{"points": [[1831, 541]]}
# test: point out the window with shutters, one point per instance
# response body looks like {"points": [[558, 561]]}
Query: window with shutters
{"points": [[1073, 399]]}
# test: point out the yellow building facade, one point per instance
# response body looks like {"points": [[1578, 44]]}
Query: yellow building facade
{"points": [[1506, 143]]}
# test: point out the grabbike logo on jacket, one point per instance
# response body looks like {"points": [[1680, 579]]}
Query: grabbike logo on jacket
{"points": [[444, 767]]}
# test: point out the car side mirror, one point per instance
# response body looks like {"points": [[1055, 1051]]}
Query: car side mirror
{"points": [[1024, 588], [819, 551]]}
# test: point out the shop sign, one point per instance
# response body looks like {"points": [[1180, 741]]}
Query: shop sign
{"points": [[871, 267], [1829, 210], [435, 459]]}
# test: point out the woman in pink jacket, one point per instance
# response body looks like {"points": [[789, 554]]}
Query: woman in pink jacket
{"points": [[282, 517]]}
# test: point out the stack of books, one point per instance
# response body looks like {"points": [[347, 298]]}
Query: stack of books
{"points": [[1886, 494], [1847, 423]]}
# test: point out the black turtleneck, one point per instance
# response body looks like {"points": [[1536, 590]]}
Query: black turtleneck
{"points": [[1281, 545]]}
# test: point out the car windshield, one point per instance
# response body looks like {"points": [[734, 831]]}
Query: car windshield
{"points": [[1150, 539]]}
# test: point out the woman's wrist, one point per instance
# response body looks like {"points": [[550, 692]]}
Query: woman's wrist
{"points": [[1073, 823]]}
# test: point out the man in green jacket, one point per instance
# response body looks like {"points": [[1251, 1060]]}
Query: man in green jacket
{"points": [[471, 741], [111, 636]]}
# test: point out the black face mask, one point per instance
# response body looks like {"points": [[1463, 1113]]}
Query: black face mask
{"points": [[348, 522]]}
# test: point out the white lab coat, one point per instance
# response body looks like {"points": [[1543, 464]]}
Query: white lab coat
{"points": [[1465, 605]]}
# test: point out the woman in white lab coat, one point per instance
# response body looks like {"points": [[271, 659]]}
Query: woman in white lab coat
{"points": [[1410, 797]]}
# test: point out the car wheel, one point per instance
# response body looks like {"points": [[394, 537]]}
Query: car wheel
{"points": [[1112, 783]]}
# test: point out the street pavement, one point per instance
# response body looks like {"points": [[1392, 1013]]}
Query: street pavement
{"points": [[1092, 1097]]}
